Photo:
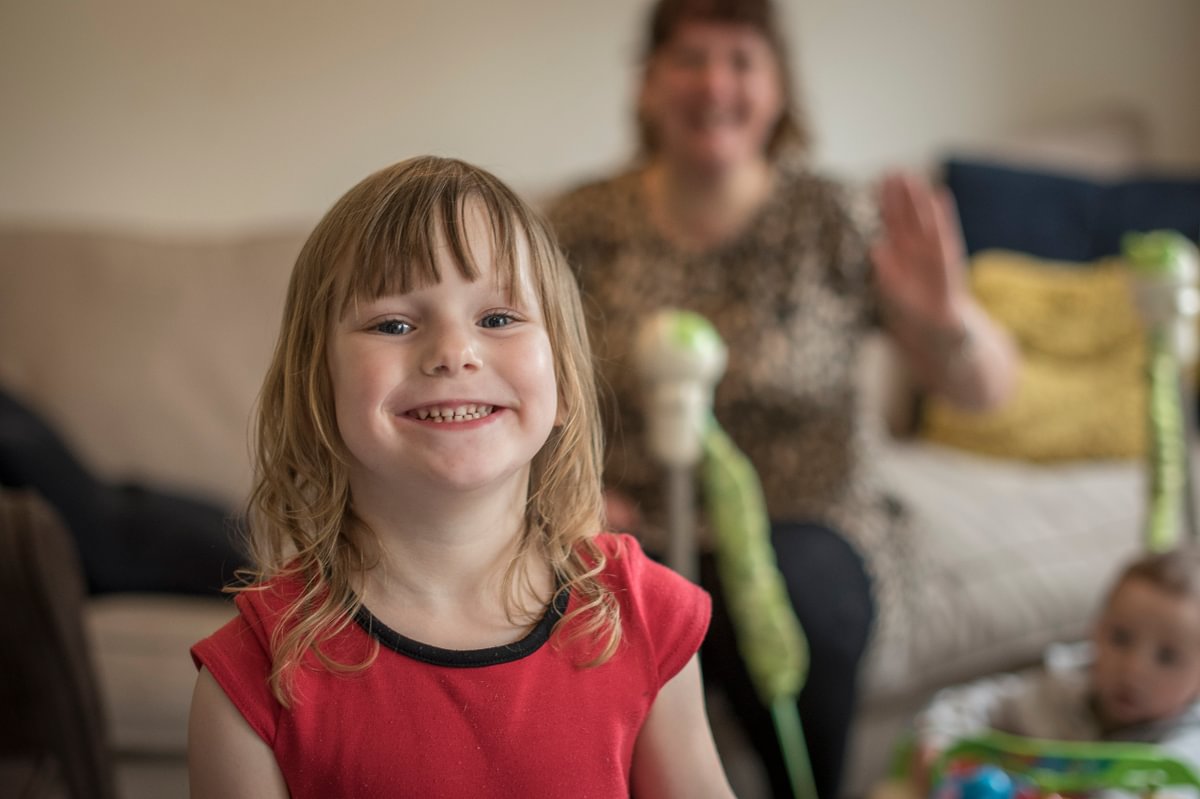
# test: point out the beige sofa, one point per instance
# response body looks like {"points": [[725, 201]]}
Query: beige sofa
{"points": [[147, 352]]}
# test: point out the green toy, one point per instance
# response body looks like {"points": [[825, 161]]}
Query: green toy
{"points": [[681, 356], [769, 636], [1164, 269]]}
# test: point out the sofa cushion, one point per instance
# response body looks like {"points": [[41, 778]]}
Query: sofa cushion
{"points": [[1080, 389], [1005, 557], [141, 643], [145, 352]]}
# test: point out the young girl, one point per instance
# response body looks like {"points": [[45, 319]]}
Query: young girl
{"points": [[434, 612]]}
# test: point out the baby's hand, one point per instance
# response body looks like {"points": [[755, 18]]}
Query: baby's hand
{"points": [[923, 757]]}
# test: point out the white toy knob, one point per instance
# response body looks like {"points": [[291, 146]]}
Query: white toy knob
{"points": [[680, 358]]}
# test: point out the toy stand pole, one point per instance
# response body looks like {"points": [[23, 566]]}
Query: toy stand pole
{"points": [[791, 741], [1165, 267], [1187, 403], [681, 512]]}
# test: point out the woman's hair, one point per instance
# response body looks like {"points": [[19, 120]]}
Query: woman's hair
{"points": [[381, 238], [667, 16], [1175, 572]]}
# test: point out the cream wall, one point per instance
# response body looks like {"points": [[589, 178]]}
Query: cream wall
{"points": [[219, 114]]}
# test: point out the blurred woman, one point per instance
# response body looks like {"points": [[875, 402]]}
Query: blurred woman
{"points": [[720, 214]]}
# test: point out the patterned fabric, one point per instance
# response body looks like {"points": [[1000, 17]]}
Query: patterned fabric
{"points": [[793, 297]]}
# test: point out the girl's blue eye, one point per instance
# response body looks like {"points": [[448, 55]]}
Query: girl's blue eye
{"points": [[495, 320], [393, 327]]}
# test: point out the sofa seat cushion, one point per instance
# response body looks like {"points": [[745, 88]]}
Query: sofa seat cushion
{"points": [[1006, 557], [140, 644]]}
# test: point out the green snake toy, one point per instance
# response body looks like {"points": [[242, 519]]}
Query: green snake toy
{"points": [[683, 347], [1164, 268]]}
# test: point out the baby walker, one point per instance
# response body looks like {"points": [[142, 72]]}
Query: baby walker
{"points": [[1163, 272]]}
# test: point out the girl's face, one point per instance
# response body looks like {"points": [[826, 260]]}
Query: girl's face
{"points": [[450, 386], [713, 94], [1147, 664]]}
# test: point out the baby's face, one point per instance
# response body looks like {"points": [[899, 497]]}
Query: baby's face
{"points": [[1147, 664]]}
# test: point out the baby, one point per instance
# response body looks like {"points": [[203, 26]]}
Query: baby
{"points": [[1141, 683]]}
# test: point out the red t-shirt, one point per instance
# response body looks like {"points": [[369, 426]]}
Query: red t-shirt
{"points": [[522, 720]]}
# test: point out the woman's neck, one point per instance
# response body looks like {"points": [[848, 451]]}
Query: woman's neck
{"points": [[698, 211]]}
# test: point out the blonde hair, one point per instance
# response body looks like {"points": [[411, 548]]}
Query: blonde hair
{"points": [[380, 238]]}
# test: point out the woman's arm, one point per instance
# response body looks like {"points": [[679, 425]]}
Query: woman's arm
{"points": [[972, 362], [675, 755], [948, 340], [226, 758]]}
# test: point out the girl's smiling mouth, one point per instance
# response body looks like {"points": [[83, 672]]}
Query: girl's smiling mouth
{"points": [[452, 412]]}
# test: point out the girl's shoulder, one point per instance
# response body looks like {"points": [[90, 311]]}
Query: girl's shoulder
{"points": [[246, 640], [660, 609]]}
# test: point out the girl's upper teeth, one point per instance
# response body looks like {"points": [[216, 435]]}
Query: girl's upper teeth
{"points": [[453, 413]]}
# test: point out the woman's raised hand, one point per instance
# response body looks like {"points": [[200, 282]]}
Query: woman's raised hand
{"points": [[919, 258]]}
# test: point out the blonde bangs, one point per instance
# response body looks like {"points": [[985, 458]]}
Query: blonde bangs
{"points": [[405, 217]]}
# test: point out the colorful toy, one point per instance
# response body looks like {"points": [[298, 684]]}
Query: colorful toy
{"points": [[1165, 274], [681, 355], [1038, 769]]}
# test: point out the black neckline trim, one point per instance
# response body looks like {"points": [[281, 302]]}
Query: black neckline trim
{"points": [[466, 658]]}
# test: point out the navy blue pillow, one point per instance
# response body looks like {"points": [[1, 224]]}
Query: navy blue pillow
{"points": [[1149, 204], [1061, 217]]}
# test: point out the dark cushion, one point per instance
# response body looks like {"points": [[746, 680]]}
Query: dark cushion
{"points": [[1064, 217]]}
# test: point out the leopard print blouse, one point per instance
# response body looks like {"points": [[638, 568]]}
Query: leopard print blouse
{"points": [[792, 297]]}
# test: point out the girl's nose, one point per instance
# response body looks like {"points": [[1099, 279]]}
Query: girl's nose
{"points": [[450, 352]]}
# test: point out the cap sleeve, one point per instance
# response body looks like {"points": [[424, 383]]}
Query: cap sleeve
{"points": [[238, 657], [670, 612]]}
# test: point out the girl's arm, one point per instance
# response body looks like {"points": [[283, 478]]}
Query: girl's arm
{"points": [[226, 758], [675, 755]]}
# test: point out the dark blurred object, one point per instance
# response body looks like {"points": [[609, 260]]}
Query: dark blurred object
{"points": [[129, 537], [52, 731]]}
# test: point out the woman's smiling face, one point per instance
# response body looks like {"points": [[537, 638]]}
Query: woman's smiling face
{"points": [[712, 94]]}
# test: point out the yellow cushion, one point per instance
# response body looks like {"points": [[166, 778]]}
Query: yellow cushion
{"points": [[1080, 392]]}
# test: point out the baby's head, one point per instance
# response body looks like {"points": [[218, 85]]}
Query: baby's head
{"points": [[382, 238], [1147, 640]]}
